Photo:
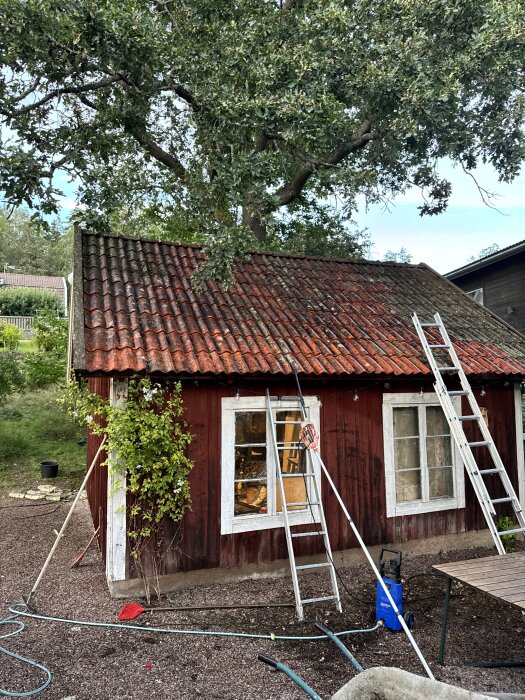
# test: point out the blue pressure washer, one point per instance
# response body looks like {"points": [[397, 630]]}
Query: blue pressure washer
{"points": [[390, 571]]}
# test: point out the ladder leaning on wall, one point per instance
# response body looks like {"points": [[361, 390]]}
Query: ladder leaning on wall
{"points": [[312, 500], [313, 457], [442, 343]]}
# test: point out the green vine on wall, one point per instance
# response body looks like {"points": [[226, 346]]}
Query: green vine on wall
{"points": [[146, 443]]}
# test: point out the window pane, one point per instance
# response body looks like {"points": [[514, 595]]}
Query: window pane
{"points": [[441, 482], [250, 427], [250, 497], [439, 451], [406, 453], [408, 485], [288, 433], [294, 492], [291, 459], [405, 422], [436, 421], [250, 462]]}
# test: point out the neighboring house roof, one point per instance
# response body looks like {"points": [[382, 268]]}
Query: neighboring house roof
{"points": [[53, 284], [502, 254], [136, 311]]}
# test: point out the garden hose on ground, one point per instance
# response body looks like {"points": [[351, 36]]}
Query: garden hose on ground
{"points": [[22, 610], [11, 620]]}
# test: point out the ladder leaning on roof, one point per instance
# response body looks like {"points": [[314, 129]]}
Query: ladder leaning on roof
{"points": [[312, 501], [455, 421]]}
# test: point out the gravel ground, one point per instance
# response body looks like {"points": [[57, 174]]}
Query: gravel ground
{"points": [[99, 664]]}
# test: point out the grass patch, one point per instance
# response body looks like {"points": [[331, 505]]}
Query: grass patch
{"points": [[34, 428], [24, 346]]}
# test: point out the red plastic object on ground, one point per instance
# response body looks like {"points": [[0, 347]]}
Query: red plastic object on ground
{"points": [[130, 611]]}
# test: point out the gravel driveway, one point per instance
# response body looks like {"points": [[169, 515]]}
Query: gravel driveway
{"points": [[109, 664]]}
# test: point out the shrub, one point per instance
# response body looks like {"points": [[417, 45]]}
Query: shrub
{"points": [[509, 541], [27, 302], [10, 335], [50, 331], [11, 377], [44, 368]]}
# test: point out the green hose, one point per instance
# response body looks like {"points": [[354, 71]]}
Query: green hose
{"points": [[278, 666], [204, 633], [339, 644], [28, 693]]}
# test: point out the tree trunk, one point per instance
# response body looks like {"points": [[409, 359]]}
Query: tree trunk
{"points": [[253, 220]]}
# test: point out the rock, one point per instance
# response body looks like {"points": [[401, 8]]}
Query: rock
{"points": [[35, 496], [47, 488], [16, 494], [53, 497]]}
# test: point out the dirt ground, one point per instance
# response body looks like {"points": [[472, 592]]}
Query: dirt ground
{"points": [[117, 664]]}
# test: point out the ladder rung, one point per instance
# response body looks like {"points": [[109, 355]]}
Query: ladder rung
{"points": [[442, 345], [313, 566], [318, 600], [288, 422], [430, 325], [481, 443], [304, 503], [511, 532], [507, 499], [458, 392], [313, 533], [291, 476], [469, 417], [489, 471], [448, 369]]}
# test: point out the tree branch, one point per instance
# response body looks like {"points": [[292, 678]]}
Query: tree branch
{"points": [[71, 90], [162, 156], [292, 189]]}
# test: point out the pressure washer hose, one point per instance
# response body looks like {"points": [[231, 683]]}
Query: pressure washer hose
{"points": [[22, 610]]}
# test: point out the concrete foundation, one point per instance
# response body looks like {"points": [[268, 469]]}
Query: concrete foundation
{"points": [[132, 588]]}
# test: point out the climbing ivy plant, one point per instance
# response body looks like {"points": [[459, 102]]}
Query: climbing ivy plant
{"points": [[146, 443]]}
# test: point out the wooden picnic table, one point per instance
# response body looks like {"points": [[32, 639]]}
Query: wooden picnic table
{"points": [[502, 577]]}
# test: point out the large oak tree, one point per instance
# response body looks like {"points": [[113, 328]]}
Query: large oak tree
{"points": [[245, 116]]}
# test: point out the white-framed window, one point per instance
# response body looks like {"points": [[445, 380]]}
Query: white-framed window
{"points": [[423, 468], [250, 493], [476, 294]]}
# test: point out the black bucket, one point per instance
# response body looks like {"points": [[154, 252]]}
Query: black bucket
{"points": [[48, 469]]}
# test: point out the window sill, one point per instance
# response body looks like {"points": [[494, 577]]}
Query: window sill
{"points": [[415, 507], [249, 523]]}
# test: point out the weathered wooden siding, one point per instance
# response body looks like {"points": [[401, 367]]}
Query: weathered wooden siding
{"points": [[503, 288], [97, 486], [352, 448]]}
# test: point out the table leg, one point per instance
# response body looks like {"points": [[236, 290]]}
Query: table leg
{"points": [[444, 623]]}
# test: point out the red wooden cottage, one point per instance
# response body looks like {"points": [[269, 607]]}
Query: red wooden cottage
{"points": [[347, 326]]}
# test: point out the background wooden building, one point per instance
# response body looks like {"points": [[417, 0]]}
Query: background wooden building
{"points": [[497, 282], [347, 327]]}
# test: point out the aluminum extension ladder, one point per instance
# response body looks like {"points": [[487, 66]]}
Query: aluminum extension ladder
{"points": [[312, 502], [456, 421]]}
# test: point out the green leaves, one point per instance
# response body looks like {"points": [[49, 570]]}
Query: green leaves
{"points": [[147, 442], [215, 109]]}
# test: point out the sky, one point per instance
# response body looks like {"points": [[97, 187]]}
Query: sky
{"points": [[446, 242]]}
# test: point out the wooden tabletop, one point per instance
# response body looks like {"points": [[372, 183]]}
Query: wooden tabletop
{"points": [[502, 576]]}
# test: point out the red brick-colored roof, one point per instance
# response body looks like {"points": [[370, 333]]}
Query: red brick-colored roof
{"points": [[141, 314], [14, 279]]}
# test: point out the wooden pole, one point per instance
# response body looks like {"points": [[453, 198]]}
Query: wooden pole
{"points": [[68, 517]]}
